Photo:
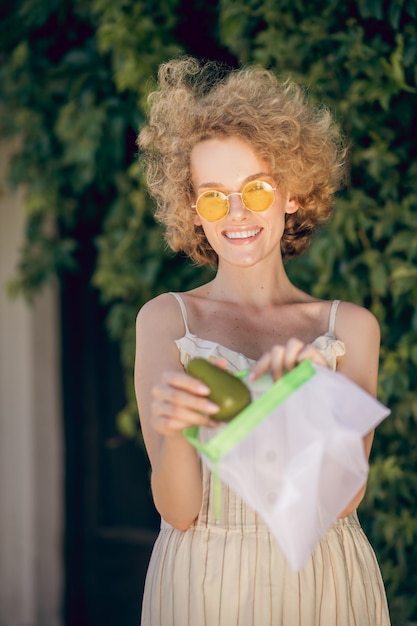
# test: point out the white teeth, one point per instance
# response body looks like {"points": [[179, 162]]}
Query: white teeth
{"points": [[242, 235]]}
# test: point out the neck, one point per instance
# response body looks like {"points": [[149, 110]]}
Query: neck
{"points": [[253, 285]]}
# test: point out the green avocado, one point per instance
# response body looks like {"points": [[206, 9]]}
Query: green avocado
{"points": [[228, 392]]}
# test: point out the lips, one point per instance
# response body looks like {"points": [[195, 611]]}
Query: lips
{"points": [[243, 234]]}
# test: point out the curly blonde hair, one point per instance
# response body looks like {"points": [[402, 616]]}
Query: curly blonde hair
{"points": [[197, 101]]}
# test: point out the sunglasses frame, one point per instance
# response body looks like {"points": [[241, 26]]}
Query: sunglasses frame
{"points": [[226, 197]]}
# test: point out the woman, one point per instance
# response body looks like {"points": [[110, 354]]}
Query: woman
{"points": [[243, 171]]}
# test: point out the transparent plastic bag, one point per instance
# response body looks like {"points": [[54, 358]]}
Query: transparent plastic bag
{"points": [[295, 454]]}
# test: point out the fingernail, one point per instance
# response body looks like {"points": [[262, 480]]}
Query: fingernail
{"points": [[211, 407], [202, 388]]}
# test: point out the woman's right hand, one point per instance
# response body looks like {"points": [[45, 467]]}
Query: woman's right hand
{"points": [[180, 401]]}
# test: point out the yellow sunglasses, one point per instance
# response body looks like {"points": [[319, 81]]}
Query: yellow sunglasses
{"points": [[213, 205]]}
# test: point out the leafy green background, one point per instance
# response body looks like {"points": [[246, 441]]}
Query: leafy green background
{"points": [[74, 76]]}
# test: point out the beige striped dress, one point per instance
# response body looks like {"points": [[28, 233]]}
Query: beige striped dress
{"points": [[231, 572]]}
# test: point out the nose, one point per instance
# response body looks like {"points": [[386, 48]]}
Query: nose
{"points": [[236, 207]]}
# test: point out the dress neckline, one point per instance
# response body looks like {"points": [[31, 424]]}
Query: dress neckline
{"points": [[199, 340], [188, 334]]}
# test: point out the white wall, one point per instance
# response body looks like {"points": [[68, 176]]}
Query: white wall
{"points": [[31, 447]]}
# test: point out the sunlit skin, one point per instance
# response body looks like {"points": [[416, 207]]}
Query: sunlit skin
{"points": [[226, 165], [250, 306]]}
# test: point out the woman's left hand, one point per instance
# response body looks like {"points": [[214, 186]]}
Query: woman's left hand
{"points": [[281, 359]]}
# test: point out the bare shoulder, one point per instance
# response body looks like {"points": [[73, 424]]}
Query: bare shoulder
{"points": [[157, 306], [158, 324], [162, 314], [354, 320], [359, 330]]}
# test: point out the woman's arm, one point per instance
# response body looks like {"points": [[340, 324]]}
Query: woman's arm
{"points": [[359, 330], [168, 401]]}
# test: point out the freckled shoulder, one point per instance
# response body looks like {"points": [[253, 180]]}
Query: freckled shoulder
{"points": [[352, 320], [161, 315], [359, 330]]}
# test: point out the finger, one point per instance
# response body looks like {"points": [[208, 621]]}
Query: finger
{"points": [[183, 399], [172, 418], [261, 367], [311, 352], [222, 363], [184, 381], [293, 349], [277, 362], [272, 361]]}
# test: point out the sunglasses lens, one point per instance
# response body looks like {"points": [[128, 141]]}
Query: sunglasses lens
{"points": [[212, 206], [258, 195]]}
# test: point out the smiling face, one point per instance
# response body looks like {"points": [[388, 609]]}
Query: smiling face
{"points": [[242, 237]]}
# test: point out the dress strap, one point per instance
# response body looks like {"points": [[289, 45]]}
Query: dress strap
{"points": [[183, 310], [332, 317]]}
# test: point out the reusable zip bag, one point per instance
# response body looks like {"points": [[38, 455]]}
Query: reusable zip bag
{"points": [[295, 455]]}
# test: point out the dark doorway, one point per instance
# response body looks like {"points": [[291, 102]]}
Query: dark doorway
{"points": [[111, 522]]}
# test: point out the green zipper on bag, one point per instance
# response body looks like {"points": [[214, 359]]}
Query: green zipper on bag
{"points": [[238, 428], [241, 425]]}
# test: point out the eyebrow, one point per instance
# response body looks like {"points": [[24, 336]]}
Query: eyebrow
{"points": [[246, 180]]}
